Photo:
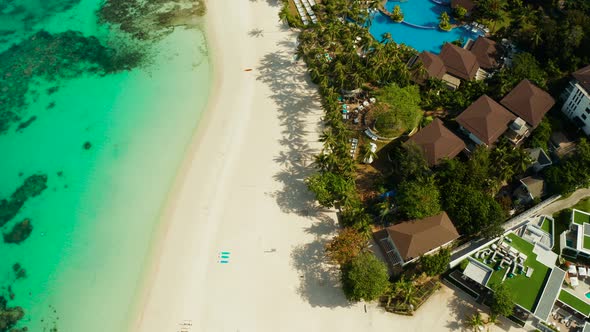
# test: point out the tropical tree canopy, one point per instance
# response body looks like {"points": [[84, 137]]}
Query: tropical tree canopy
{"points": [[330, 188], [572, 172], [345, 246], [417, 199], [365, 278], [399, 109], [503, 302], [436, 264]]}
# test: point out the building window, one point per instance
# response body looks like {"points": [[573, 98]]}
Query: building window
{"points": [[588, 110], [584, 116]]}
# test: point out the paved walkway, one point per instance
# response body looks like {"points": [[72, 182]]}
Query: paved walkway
{"points": [[566, 202]]}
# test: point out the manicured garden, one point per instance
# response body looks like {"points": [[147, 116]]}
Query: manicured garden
{"points": [[586, 242], [525, 290], [574, 302], [581, 218]]}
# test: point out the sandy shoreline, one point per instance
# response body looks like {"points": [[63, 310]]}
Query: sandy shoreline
{"points": [[241, 190]]}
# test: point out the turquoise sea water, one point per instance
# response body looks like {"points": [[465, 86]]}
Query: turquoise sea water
{"points": [[424, 13], [93, 224]]}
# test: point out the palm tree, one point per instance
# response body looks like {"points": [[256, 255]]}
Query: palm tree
{"points": [[328, 138], [384, 208], [284, 15], [475, 321], [386, 37], [397, 14], [406, 292], [536, 38]]}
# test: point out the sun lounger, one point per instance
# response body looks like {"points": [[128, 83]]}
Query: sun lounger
{"points": [[529, 272]]}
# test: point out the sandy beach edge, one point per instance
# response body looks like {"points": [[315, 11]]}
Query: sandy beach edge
{"points": [[163, 225]]}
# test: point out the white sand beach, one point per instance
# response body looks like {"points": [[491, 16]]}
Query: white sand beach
{"points": [[241, 191]]}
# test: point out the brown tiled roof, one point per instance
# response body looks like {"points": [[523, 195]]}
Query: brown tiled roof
{"points": [[459, 61], [528, 102], [437, 142], [417, 237], [583, 77], [433, 64], [486, 119], [534, 185], [485, 52], [467, 4]]}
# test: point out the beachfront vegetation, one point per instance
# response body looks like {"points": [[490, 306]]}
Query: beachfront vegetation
{"points": [[475, 321], [444, 23], [346, 246], [397, 14], [365, 278], [436, 264], [289, 15], [503, 302]]}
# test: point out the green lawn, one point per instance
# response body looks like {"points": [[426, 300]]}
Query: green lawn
{"points": [[546, 226], [574, 302], [583, 205], [525, 290], [581, 218], [586, 242]]}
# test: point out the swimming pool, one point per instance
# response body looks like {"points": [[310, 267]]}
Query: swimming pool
{"points": [[423, 13], [588, 295]]}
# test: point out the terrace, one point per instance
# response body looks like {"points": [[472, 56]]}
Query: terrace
{"points": [[514, 262]]}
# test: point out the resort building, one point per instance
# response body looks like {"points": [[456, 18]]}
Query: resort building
{"points": [[528, 102], [531, 188], [550, 294], [539, 158], [452, 65], [405, 242], [437, 142], [485, 51], [576, 241], [460, 63], [576, 98], [485, 121]]}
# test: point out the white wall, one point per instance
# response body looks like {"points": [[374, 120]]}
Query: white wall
{"points": [[577, 103]]}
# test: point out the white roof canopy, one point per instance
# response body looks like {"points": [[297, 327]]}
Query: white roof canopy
{"points": [[572, 270]]}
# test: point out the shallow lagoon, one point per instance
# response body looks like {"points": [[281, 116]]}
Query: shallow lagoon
{"points": [[93, 225]]}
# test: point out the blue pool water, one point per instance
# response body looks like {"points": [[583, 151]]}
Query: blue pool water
{"points": [[423, 13], [588, 295]]}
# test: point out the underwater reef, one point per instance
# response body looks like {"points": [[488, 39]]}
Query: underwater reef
{"points": [[9, 316], [151, 19], [20, 232], [51, 57], [32, 186]]}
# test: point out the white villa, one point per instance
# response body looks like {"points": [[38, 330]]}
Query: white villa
{"points": [[576, 98]]}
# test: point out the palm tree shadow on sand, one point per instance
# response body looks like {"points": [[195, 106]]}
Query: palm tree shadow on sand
{"points": [[296, 100], [319, 281]]}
